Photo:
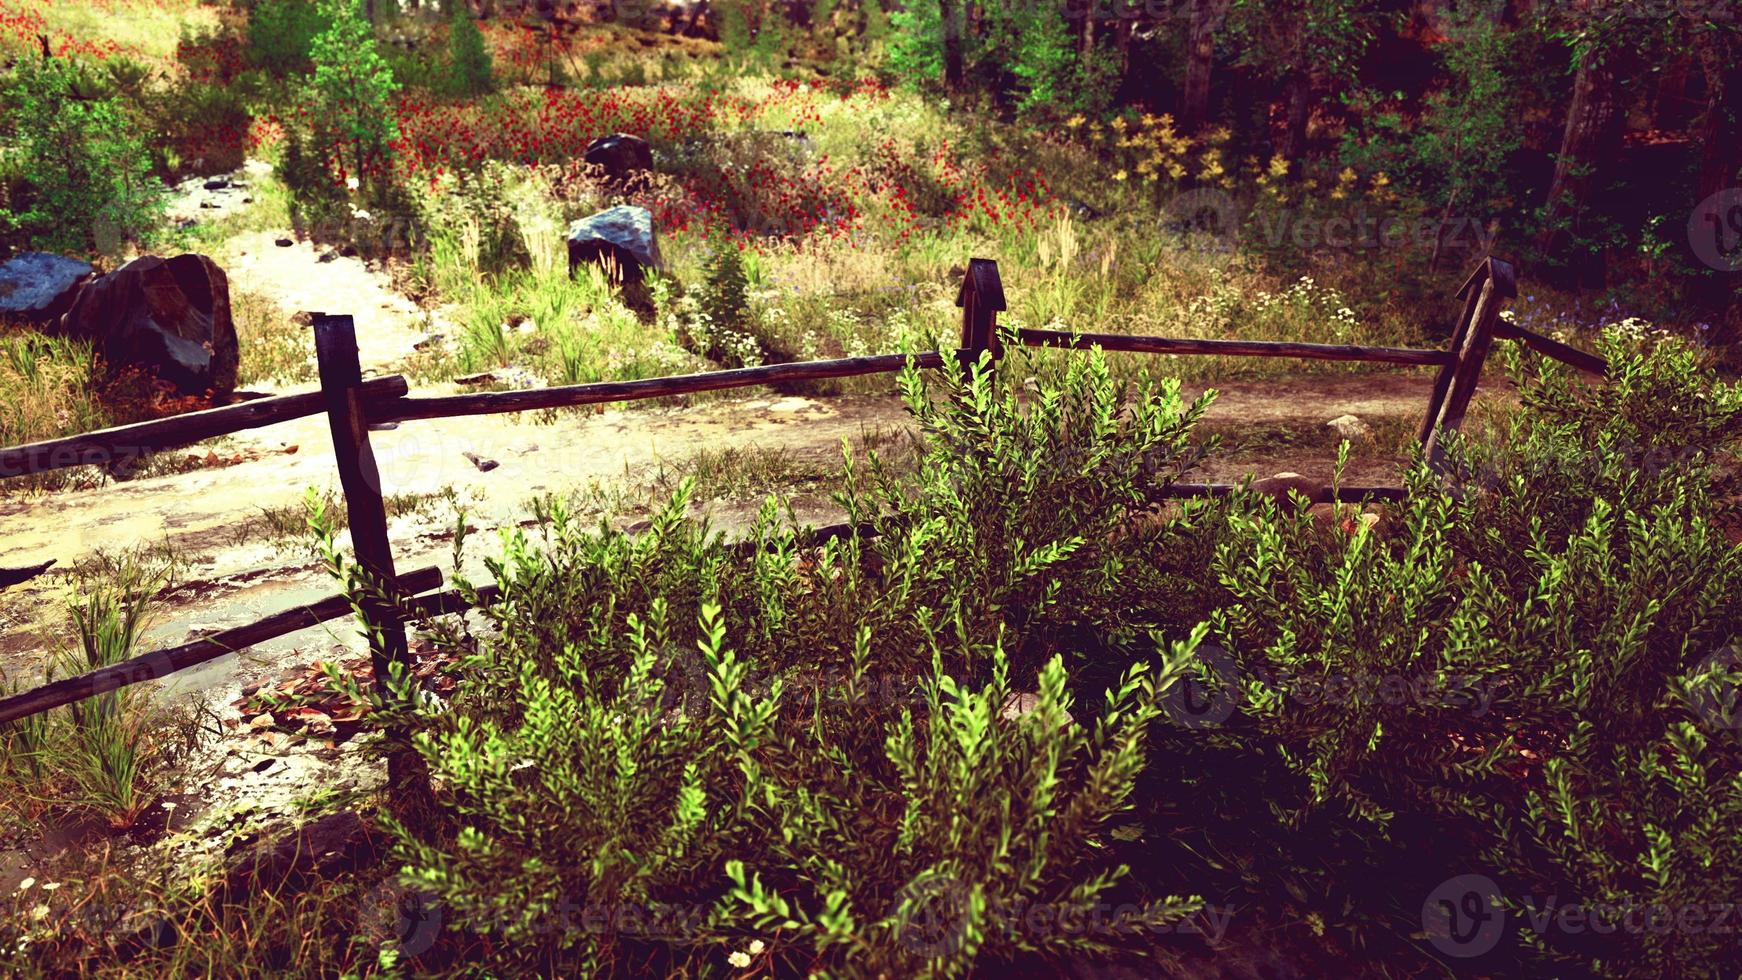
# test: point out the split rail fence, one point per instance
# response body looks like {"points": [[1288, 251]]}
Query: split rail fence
{"points": [[353, 404]]}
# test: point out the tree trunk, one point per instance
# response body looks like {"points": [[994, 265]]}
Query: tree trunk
{"points": [[953, 73], [1086, 37], [1207, 16], [1720, 133], [1589, 146], [1300, 103], [1720, 129]]}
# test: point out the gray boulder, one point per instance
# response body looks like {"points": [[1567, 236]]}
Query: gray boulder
{"points": [[620, 154], [624, 235], [621, 240], [39, 287], [166, 316]]}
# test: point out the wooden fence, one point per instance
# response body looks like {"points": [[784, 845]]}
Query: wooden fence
{"points": [[353, 404]]}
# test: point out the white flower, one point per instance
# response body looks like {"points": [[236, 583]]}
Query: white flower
{"points": [[739, 959], [26, 883], [351, 183], [39, 913], [756, 947], [49, 886]]}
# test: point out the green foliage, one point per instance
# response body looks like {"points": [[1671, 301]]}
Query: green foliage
{"points": [[735, 25], [281, 35], [669, 741], [471, 66], [1457, 152], [75, 169], [726, 298], [1503, 681], [353, 89], [916, 43], [1321, 38], [106, 756]]}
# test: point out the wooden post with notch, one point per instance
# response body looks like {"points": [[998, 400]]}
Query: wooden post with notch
{"points": [[1484, 294], [981, 299], [341, 383]]}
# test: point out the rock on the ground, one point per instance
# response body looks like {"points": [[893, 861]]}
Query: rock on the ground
{"points": [[1280, 485], [623, 242], [329, 845], [170, 316], [623, 233], [1349, 427], [38, 287], [620, 155], [194, 199]]}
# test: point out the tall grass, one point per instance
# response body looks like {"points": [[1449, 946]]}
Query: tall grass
{"points": [[106, 755], [47, 388]]}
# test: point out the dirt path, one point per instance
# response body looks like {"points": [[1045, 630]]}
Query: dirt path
{"points": [[303, 277]]}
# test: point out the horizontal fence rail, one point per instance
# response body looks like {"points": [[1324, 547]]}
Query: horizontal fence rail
{"points": [[1549, 347], [162, 663], [1233, 348], [124, 443], [352, 404], [568, 396]]}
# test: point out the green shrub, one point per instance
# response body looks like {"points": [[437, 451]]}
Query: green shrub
{"points": [[1501, 682], [79, 172], [281, 35], [471, 67], [674, 748], [353, 88], [107, 756]]}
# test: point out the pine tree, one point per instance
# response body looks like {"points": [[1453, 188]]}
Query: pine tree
{"points": [[473, 73]]}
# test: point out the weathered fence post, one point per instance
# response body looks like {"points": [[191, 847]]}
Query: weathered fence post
{"points": [[341, 383], [981, 299], [1484, 293]]}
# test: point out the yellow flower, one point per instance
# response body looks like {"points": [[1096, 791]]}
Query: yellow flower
{"points": [[1075, 121], [1121, 175], [1118, 123]]}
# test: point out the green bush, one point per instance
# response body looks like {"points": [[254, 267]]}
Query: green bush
{"points": [[472, 73], [1502, 680], [857, 756], [352, 89], [78, 178], [281, 35]]}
